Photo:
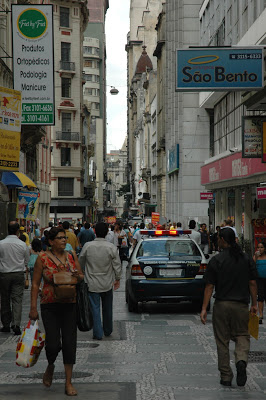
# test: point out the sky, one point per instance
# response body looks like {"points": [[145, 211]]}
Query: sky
{"points": [[116, 28]]}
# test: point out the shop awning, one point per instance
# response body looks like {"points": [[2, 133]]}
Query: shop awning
{"points": [[17, 179]]}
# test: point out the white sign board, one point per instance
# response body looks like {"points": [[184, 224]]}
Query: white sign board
{"points": [[33, 61]]}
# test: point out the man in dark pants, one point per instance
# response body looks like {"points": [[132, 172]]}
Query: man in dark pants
{"points": [[233, 274], [14, 257], [102, 268]]}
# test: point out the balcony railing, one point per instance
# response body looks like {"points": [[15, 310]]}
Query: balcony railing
{"points": [[67, 65], [68, 136]]}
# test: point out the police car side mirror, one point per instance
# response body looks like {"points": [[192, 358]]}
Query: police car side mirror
{"points": [[207, 256]]}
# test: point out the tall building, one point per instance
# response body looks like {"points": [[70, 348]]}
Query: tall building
{"points": [[67, 177], [94, 67], [186, 125], [142, 105], [116, 162], [233, 168]]}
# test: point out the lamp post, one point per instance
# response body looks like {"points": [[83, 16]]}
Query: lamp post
{"points": [[114, 91]]}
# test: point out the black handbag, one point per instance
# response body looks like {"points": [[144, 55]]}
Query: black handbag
{"points": [[84, 314]]}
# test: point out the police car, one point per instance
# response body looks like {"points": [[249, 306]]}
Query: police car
{"points": [[165, 266]]}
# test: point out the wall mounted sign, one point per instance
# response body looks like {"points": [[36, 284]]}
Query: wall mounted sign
{"points": [[232, 68], [173, 159], [33, 61]]}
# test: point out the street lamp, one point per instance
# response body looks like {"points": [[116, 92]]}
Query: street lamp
{"points": [[114, 91]]}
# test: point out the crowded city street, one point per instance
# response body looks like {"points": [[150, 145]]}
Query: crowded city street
{"points": [[161, 353]]}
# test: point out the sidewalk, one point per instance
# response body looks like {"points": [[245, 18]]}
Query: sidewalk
{"points": [[163, 353]]}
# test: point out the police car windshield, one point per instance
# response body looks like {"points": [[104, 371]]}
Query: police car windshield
{"points": [[167, 248]]}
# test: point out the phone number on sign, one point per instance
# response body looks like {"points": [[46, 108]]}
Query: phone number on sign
{"points": [[4, 163], [36, 118]]}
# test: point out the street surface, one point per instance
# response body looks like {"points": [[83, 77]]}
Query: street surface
{"points": [[162, 353]]}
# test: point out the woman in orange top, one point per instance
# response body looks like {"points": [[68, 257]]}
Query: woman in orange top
{"points": [[59, 318]]}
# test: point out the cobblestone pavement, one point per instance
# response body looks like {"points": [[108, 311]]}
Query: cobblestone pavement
{"points": [[164, 352]]}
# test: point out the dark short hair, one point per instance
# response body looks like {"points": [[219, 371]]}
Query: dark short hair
{"points": [[101, 229], [22, 237], [192, 224], [13, 227], [52, 233], [218, 227], [66, 225], [87, 225], [36, 245], [51, 224], [142, 225], [179, 224]]}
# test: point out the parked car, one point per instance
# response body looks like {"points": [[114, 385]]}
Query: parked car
{"points": [[165, 266]]}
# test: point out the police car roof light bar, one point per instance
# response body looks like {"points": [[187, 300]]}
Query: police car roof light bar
{"points": [[165, 232]]}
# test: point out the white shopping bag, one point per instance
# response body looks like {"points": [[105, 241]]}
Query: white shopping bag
{"points": [[29, 345]]}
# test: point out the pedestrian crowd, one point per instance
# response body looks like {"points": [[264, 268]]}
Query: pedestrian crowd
{"points": [[74, 253]]}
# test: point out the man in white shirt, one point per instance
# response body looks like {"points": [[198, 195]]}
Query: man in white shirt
{"points": [[102, 268], [229, 224], [194, 234], [14, 256]]}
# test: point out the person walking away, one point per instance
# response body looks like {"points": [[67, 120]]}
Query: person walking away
{"points": [[228, 223], [71, 237], [205, 239], [260, 260], [23, 231], [110, 237], [214, 239], [233, 275], [137, 235], [58, 316], [196, 236], [36, 247], [101, 263], [85, 235], [14, 256]]}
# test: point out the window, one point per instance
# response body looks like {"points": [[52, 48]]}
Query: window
{"points": [[88, 63], [96, 106], [66, 122], [88, 91], [65, 51], [66, 87], [64, 17], [87, 49], [65, 157], [97, 78], [88, 77], [65, 186]]}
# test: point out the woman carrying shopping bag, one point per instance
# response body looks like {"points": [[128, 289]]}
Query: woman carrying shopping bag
{"points": [[60, 271]]}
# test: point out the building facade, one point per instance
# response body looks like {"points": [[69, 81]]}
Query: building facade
{"points": [[116, 162], [232, 176], [94, 67], [67, 176]]}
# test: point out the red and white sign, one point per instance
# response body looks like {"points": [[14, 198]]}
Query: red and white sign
{"points": [[231, 167], [155, 218], [111, 220], [206, 196], [261, 193]]}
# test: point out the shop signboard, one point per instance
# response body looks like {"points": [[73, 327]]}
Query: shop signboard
{"points": [[252, 136], [10, 128], [33, 61], [261, 193], [231, 68], [27, 205], [155, 218], [206, 196], [232, 167], [173, 159], [111, 220]]}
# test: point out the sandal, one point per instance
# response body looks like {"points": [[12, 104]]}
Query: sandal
{"points": [[48, 375], [70, 390]]}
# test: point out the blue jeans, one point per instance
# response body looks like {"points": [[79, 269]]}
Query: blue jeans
{"points": [[107, 312]]}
